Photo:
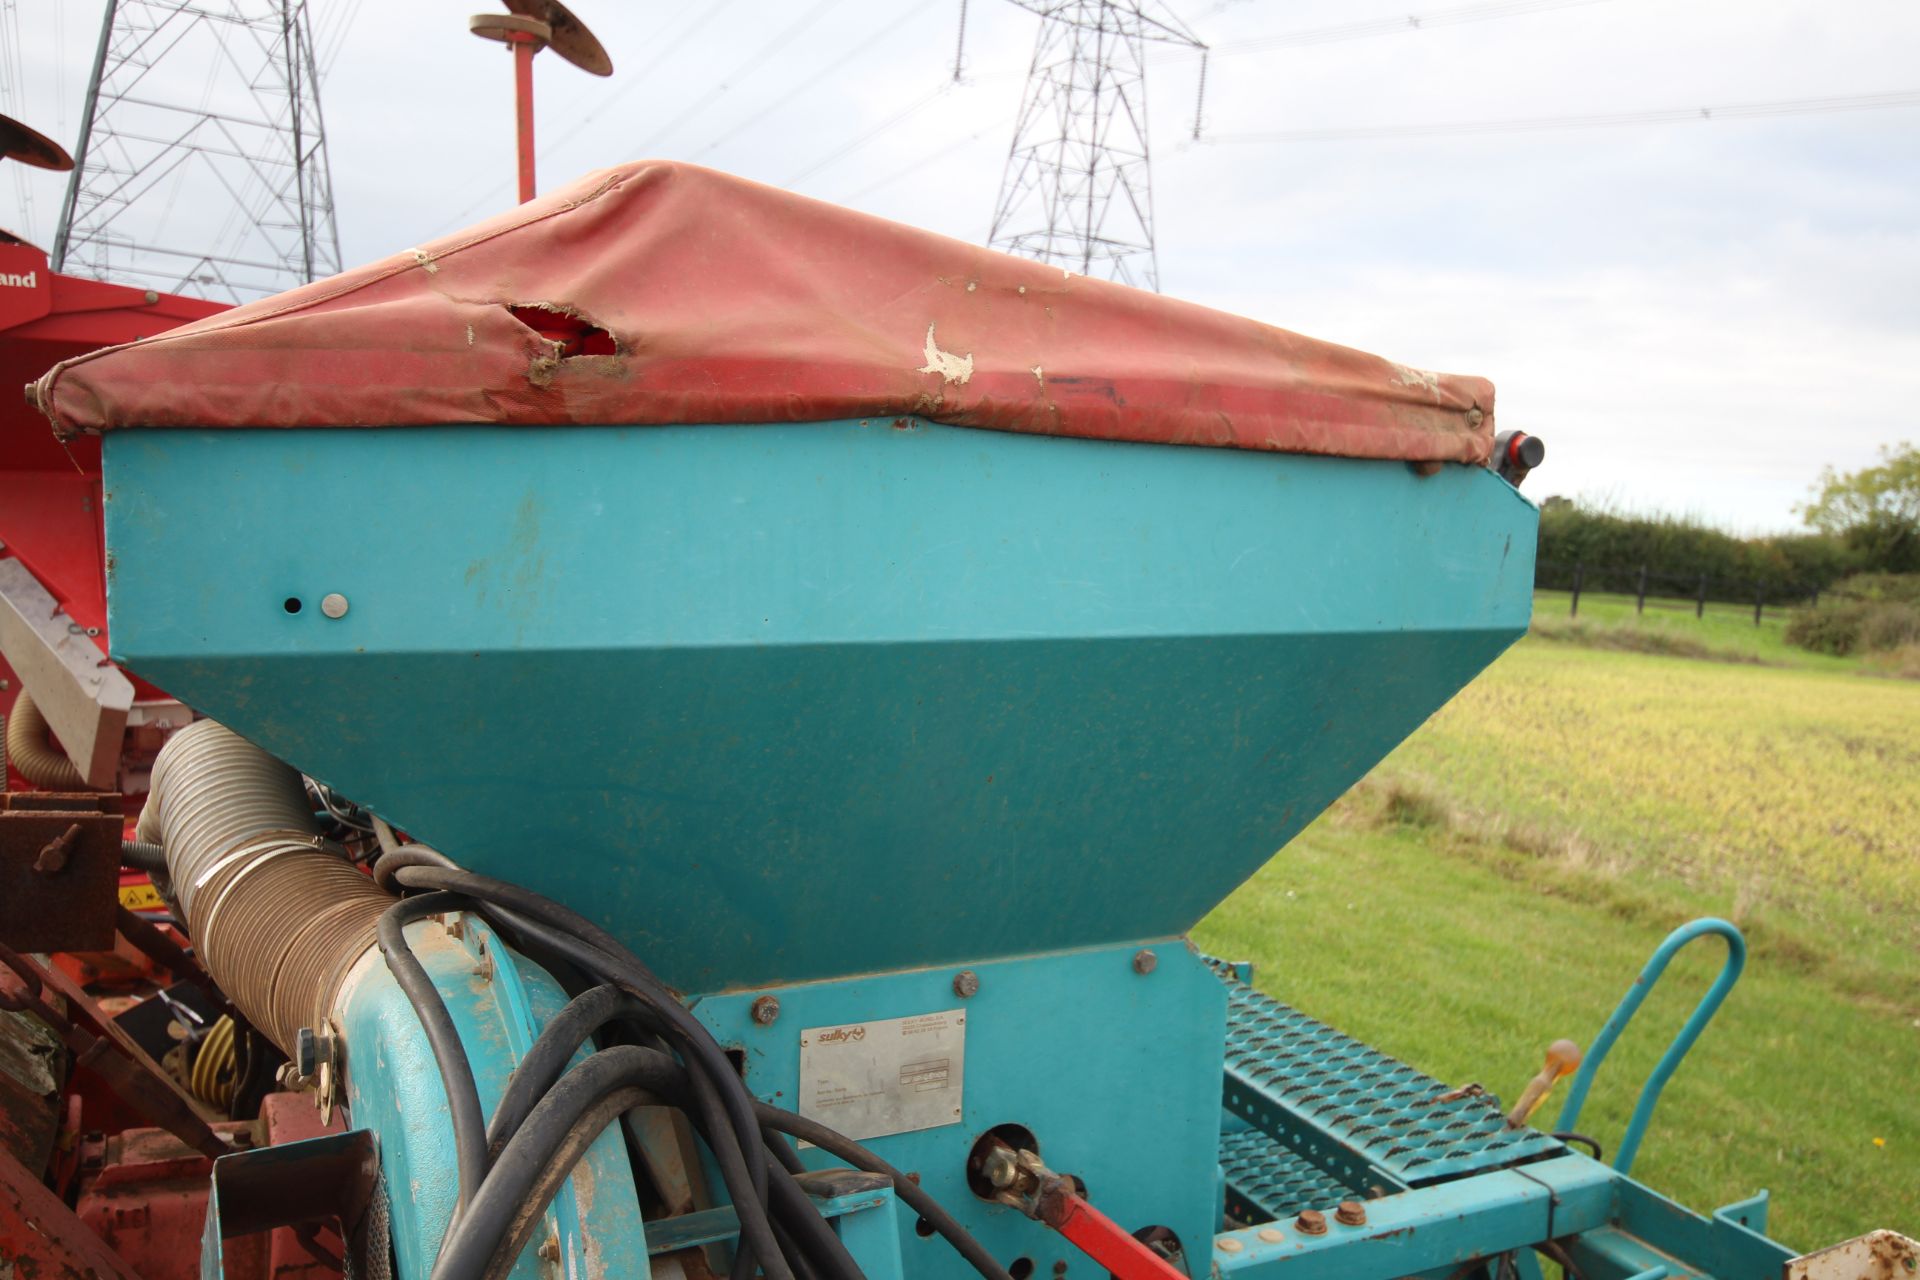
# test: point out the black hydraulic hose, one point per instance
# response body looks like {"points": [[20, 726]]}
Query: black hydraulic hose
{"points": [[528, 1213], [736, 1170], [711, 1110], [391, 860], [1581, 1139], [812, 1239], [443, 1038], [844, 1148], [800, 1235], [803, 1268], [595, 951], [476, 1234], [543, 1064]]}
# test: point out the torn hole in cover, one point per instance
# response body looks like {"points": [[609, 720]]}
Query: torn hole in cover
{"points": [[571, 333]]}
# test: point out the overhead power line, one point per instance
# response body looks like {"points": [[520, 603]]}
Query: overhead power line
{"points": [[704, 16], [813, 80], [1397, 24], [1597, 120], [778, 44], [897, 118]]}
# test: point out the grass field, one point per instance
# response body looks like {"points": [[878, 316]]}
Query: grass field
{"points": [[1499, 880]]}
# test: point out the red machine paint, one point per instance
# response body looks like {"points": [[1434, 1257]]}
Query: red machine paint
{"points": [[41, 1238], [725, 301], [144, 1195], [1100, 1237], [50, 495]]}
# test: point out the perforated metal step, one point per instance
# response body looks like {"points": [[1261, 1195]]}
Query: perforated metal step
{"points": [[1268, 1183], [1352, 1111]]}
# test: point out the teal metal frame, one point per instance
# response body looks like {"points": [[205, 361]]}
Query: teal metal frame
{"points": [[984, 694], [1630, 1003], [1115, 1071]]}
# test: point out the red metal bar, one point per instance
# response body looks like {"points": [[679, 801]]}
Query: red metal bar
{"points": [[524, 47], [40, 1236], [1100, 1237]]}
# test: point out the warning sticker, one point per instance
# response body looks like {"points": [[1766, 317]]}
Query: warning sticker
{"points": [[869, 1079], [140, 897]]}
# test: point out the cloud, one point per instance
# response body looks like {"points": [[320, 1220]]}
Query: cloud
{"points": [[1696, 317]]}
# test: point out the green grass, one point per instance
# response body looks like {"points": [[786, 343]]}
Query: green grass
{"points": [[1726, 632], [1500, 879]]}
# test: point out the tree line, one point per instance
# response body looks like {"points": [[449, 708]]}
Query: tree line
{"points": [[1863, 522]]}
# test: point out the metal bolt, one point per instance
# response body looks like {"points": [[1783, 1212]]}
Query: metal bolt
{"points": [[550, 1249], [1227, 1244], [765, 1010], [1060, 1267], [966, 983], [151, 297], [53, 858], [1351, 1213], [1272, 1235], [310, 1049], [1311, 1222], [1145, 961], [333, 604]]}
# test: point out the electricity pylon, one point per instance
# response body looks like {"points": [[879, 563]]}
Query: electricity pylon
{"points": [[202, 161], [1077, 190]]}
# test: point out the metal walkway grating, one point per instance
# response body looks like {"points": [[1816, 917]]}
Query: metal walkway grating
{"points": [[1366, 1118], [1268, 1183]]}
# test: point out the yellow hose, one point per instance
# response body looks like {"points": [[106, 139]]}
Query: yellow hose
{"points": [[212, 1076], [30, 748]]}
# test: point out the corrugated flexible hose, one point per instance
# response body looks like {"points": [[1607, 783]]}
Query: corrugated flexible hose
{"points": [[30, 748], [278, 916]]}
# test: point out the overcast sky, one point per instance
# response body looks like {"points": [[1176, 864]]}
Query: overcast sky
{"points": [[1696, 316]]}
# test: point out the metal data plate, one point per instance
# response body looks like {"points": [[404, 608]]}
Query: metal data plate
{"points": [[870, 1079]]}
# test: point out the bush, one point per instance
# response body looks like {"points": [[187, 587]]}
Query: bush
{"points": [[1889, 626], [1612, 544], [1832, 626], [1901, 588], [1867, 613]]}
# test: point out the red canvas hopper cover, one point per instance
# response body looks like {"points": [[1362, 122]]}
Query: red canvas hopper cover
{"points": [[668, 293]]}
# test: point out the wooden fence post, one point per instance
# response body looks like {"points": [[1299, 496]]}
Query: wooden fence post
{"points": [[1579, 576], [1700, 605], [1640, 605], [1759, 600]]}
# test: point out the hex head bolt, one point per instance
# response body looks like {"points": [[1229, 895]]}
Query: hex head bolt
{"points": [[765, 1010], [1351, 1213], [1311, 1222]]}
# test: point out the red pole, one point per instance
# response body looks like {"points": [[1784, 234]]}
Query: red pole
{"points": [[524, 47]]}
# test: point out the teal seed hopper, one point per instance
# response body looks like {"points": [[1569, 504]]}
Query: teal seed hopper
{"points": [[898, 648]]}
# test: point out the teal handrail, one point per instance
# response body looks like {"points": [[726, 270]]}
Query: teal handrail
{"points": [[1670, 1062]]}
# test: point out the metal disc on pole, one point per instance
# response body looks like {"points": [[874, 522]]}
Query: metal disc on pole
{"points": [[30, 146], [528, 27], [570, 37]]}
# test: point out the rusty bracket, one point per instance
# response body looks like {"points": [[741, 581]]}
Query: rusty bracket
{"points": [[40, 1236], [59, 870], [114, 1057]]}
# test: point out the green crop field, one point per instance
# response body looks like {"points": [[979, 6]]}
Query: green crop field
{"points": [[1500, 879]]}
